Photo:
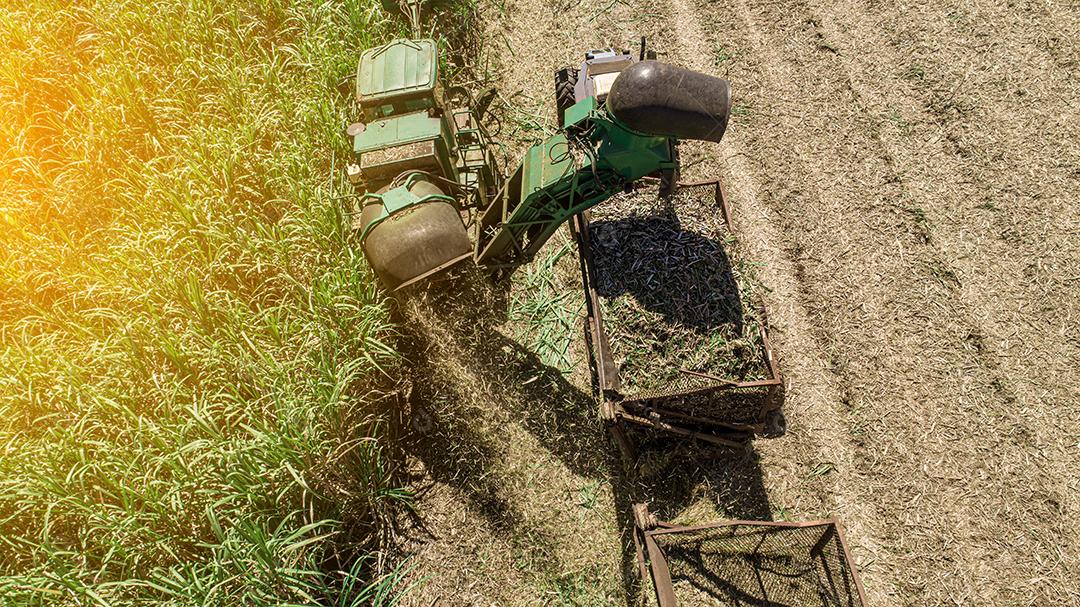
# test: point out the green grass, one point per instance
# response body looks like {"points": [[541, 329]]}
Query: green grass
{"points": [[191, 352], [723, 56], [543, 311]]}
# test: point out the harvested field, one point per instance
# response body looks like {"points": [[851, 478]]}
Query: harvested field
{"points": [[906, 176]]}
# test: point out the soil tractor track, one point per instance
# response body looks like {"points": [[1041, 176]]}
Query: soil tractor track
{"points": [[818, 394], [903, 334], [906, 174]]}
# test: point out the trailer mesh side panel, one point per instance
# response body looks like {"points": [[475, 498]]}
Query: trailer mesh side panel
{"points": [[741, 564], [689, 398]]}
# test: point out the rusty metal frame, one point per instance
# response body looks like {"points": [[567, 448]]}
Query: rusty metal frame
{"points": [[653, 564], [618, 411]]}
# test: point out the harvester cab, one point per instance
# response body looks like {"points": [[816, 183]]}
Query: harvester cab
{"points": [[593, 77], [399, 94], [431, 195], [422, 161]]}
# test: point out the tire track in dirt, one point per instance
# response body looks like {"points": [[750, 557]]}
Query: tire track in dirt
{"points": [[996, 293], [816, 396], [863, 300], [518, 507], [943, 181]]}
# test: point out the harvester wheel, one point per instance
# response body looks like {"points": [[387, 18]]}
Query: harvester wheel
{"points": [[565, 81]]}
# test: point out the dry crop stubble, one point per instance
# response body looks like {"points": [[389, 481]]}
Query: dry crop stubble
{"points": [[509, 461], [884, 353], [900, 333]]}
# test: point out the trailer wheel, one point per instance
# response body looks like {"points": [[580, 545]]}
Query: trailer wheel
{"points": [[565, 81], [775, 424]]}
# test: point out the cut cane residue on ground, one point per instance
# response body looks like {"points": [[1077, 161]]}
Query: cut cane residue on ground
{"points": [[678, 300]]}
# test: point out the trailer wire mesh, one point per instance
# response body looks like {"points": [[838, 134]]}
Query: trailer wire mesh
{"points": [[712, 409], [747, 563]]}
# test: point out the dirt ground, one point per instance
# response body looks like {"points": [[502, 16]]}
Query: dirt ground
{"points": [[906, 173]]}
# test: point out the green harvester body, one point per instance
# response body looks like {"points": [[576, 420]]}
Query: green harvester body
{"points": [[555, 181], [429, 176]]}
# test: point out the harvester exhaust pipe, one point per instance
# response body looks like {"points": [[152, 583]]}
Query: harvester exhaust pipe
{"points": [[661, 99]]}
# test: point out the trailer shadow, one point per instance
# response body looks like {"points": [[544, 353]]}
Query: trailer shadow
{"points": [[469, 382], [682, 481]]}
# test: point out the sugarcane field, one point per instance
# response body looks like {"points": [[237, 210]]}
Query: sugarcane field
{"points": [[665, 303]]}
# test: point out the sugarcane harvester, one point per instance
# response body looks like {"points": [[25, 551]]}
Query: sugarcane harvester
{"points": [[432, 197]]}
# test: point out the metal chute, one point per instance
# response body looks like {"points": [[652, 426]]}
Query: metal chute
{"points": [[661, 99]]}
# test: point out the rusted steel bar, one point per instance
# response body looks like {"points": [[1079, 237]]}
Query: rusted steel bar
{"points": [[665, 590], [830, 532], [850, 561], [608, 374], [660, 425], [731, 522], [703, 420], [643, 521], [721, 195], [657, 565], [618, 432], [721, 199], [836, 580]]}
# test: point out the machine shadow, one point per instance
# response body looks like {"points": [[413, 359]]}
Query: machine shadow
{"points": [[682, 275], [688, 280], [469, 383]]}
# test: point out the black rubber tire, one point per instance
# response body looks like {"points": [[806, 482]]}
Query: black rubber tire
{"points": [[775, 424], [565, 81]]}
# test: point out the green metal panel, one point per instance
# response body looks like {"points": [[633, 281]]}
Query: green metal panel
{"points": [[580, 111], [629, 153], [398, 130], [548, 167], [399, 68], [553, 188], [545, 164], [382, 150]]}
